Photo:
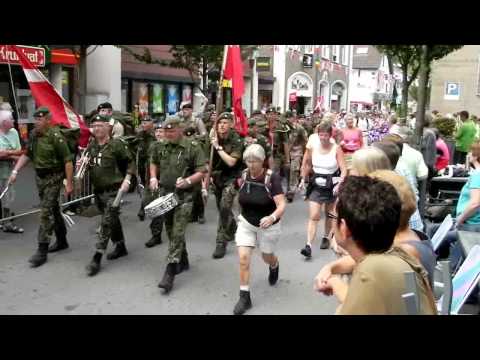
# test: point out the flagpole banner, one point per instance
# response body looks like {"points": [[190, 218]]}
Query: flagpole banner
{"points": [[234, 72], [45, 94]]}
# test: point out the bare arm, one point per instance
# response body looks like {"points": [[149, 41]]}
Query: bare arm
{"points": [[306, 163], [281, 203], [227, 159], [339, 288], [472, 207], [341, 162]]}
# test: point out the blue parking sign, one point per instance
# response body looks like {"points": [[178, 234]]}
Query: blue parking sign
{"points": [[452, 91]]}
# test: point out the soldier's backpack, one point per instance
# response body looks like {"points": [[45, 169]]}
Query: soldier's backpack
{"points": [[71, 137]]}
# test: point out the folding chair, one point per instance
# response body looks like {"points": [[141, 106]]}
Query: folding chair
{"points": [[441, 232], [463, 283], [411, 296]]}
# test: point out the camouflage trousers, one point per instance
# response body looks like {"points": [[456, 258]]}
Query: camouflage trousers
{"points": [[156, 226], [281, 168], [110, 226], [198, 205], [51, 219], [227, 226], [294, 177], [176, 222]]}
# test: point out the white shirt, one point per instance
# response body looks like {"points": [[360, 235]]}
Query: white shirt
{"points": [[322, 163], [413, 160]]}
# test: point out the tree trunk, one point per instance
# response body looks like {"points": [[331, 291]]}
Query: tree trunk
{"points": [[422, 94], [81, 87], [205, 77], [404, 106]]}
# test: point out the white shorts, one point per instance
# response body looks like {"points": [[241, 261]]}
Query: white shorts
{"points": [[249, 235]]}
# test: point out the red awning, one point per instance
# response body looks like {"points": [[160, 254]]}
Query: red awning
{"points": [[63, 56]]}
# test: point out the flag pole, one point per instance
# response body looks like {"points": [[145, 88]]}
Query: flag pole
{"points": [[13, 87], [219, 107]]}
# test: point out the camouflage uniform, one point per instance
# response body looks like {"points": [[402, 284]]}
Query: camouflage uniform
{"points": [[297, 141], [49, 153], [108, 166], [258, 138], [223, 178], [174, 161]]}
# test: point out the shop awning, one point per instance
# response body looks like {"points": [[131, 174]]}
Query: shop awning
{"points": [[63, 56]]}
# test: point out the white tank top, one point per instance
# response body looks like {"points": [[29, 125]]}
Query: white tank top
{"points": [[325, 163]]}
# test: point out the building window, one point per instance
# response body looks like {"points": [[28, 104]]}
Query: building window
{"points": [[361, 51], [326, 51], [344, 54], [335, 53], [308, 49]]}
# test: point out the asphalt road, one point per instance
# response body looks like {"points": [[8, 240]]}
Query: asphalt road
{"points": [[129, 285]]}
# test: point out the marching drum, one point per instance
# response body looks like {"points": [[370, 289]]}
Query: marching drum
{"points": [[161, 205]]}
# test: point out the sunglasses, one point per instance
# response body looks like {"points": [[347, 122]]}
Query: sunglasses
{"points": [[332, 216]]}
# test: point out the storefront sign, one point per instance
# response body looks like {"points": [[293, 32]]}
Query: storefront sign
{"points": [[36, 55], [452, 91], [301, 84], [263, 64], [307, 60]]}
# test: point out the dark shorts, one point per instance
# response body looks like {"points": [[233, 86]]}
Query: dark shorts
{"points": [[321, 196]]}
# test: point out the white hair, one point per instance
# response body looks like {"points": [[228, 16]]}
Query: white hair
{"points": [[254, 151], [5, 115]]}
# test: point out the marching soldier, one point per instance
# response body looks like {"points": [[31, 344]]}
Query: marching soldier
{"points": [[226, 167], [176, 165], [256, 126], [159, 133], [106, 109], [53, 162], [278, 135], [297, 141], [110, 161], [189, 121], [145, 137]]}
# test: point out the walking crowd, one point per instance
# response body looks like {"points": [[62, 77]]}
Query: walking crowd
{"points": [[361, 175]]}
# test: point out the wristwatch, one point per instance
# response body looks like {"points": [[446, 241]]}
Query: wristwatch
{"points": [[219, 148], [189, 182]]}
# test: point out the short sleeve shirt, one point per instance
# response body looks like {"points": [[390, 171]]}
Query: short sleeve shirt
{"points": [[473, 182], [49, 150], [8, 141]]}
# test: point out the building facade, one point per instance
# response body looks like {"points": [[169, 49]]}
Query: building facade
{"points": [[371, 83], [455, 82]]}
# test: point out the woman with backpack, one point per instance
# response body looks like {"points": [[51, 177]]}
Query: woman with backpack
{"points": [[262, 203]]}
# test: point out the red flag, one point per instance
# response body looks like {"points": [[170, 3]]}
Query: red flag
{"points": [[234, 71], [45, 94]]}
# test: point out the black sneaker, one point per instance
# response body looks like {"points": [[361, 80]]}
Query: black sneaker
{"points": [[306, 251], [273, 275], [325, 243], [244, 303]]}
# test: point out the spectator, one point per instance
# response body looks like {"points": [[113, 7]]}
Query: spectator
{"points": [[429, 147], [393, 154], [10, 151], [367, 233], [416, 244], [326, 160], [474, 154], [443, 154], [468, 212], [352, 140], [366, 161], [464, 138], [412, 159], [262, 205]]}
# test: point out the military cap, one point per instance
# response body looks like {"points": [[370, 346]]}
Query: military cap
{"points": [[158, 125], [187, 106], [105, 105], [256, 112], [225, 115], [101, 118], [288, 114], [41, 112], [271, 109], [261, 123], [172, 123], [252, 121], [147, 118], [211, 107]]}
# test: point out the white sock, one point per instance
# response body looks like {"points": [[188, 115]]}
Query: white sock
{"points": [[244, 288]]}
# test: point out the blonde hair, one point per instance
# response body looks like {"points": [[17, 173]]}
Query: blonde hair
{"points": [[366, 161], [404, 191], [475, 149]]}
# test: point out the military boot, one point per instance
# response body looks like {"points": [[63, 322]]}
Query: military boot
{"points": [[167, 281], [155, 240], [119, 251], [60, 244], [290, 196], [94, 267], [220, 251], [325, 243], [184, 264], [40, 257], [243, 304]]}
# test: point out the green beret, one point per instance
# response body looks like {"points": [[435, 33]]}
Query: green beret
{"points": [[256, 112], [147, 118], [41, 112], [101, 118], [271, 109], [187, 106], [252, 122], [225, 115], [288, 114], [261, 123], [172, 123]]}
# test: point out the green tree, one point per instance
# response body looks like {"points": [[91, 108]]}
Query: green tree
{"points": [[407, 56], [428, 54]]}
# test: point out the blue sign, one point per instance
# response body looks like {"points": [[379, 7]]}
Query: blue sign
{"points": [[452, 91]]}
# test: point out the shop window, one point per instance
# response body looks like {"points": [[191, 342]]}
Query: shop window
{"points": [[158, 98], [173, 99], [140, 96], [124, 95]]}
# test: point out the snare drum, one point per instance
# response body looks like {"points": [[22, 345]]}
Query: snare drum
{"points": [[161, 206]]}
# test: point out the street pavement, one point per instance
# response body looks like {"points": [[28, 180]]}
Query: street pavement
{"points": [[129, 285]]}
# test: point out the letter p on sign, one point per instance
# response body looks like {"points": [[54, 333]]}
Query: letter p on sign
{"points": [[452, 91]]}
